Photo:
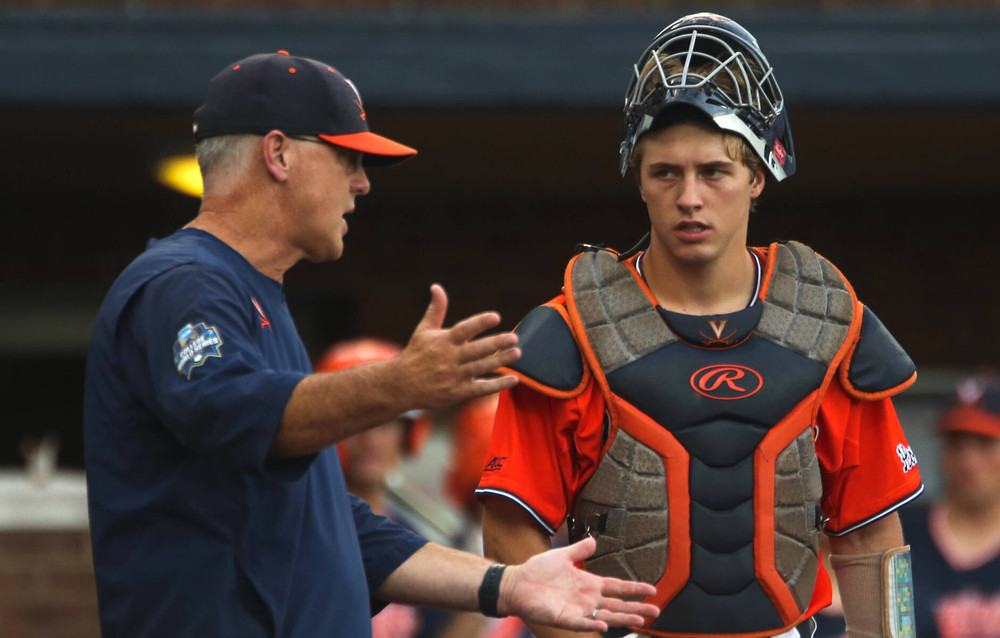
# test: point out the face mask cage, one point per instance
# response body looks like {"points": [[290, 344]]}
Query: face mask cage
{"points": [[721, 73]]}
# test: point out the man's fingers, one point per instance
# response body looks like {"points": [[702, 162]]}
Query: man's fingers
{"points": [[620, 613], [468, 328], [434, 316], [629, 607], [486, 346], [618, 620], [613, 587], [581, 549], [489, 365], [482, 387]]}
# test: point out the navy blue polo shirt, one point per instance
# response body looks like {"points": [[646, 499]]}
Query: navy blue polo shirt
{"points": [[195, 530]]}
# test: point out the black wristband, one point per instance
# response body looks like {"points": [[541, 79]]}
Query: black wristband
{"points": [[489, 591]]}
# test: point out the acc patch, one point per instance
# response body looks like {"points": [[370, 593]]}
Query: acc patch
{"points": [[195, 344]]}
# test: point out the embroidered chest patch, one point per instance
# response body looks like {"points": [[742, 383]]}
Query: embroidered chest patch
{"points": [[195, 344]]}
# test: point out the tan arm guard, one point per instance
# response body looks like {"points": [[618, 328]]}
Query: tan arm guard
{"points": [[877, 592]]}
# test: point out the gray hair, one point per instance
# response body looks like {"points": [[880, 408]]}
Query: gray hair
{"points": [[224, 156]]}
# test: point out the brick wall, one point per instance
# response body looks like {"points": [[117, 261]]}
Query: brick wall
{"points": [[47, 585]]}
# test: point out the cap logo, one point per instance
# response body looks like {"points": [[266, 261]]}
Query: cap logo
{"points": [[357, 101], [970, 391]]}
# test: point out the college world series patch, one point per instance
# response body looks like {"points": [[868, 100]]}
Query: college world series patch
{"points": [[195, 344]]}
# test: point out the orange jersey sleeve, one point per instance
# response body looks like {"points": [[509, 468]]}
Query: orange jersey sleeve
{"points": [[868, 467], [543, 450]]}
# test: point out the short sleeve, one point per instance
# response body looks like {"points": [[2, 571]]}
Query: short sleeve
{"points": [[384, 545], [190, 355], [542, 450], [869, 469]]}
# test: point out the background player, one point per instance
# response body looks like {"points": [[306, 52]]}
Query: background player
{"points": [[956, 542], [369, 459], [704, 409]]}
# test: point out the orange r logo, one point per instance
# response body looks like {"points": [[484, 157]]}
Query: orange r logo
{"points": [[726, 382]]}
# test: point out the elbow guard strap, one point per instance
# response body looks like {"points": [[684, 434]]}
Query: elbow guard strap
{"points": [[877, 590]]}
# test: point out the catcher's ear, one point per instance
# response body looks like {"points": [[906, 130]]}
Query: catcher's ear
{"points": [[757, 184]]}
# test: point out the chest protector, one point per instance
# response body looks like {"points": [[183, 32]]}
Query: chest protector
{"points": [[709, 485]]}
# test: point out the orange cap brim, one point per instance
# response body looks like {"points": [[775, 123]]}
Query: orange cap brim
{"points": [[967, 418], [378, 150]]}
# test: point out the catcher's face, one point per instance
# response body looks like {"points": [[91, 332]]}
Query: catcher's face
{"points": [[697, 196]]}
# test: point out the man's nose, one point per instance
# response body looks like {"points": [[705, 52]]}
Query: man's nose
{"points": [[360, 184], [690, 193]]}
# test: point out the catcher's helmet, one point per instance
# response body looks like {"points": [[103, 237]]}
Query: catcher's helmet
{"points": [[711, 63]]}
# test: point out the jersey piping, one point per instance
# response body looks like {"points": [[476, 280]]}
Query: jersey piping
{"points": [[541, 521], [874, 517]]}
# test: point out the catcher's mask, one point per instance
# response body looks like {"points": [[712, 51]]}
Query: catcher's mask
{"points": [[711, 63]]}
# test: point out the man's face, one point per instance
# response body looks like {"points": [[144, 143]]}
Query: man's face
{"points": [[971, 464], [327, 181], [369, 457], [698, 198]]}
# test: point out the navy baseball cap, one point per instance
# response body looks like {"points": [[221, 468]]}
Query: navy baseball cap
{"points": [[975, 409], [297, 96]]}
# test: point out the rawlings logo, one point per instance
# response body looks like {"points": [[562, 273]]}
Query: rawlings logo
{"points": [[906, 457], [726, 382], [779, 152]]}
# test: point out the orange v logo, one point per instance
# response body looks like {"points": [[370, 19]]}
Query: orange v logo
{"points": [[358, 94], [717, 326]]}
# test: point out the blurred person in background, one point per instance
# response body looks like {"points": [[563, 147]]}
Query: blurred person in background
{"points": [[470, 440], [956, 541], [369, 459]]}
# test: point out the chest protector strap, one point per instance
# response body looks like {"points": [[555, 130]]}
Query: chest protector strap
{"points": [[729, 557]]}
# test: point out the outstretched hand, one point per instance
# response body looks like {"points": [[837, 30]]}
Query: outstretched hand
{"points": [[446, 365], [549, 589]]}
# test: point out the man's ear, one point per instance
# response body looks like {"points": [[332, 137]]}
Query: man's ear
{"points": [[274, 148], [757, 184]]}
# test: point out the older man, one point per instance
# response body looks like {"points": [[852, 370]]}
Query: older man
{"points": [[217, 504]]}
